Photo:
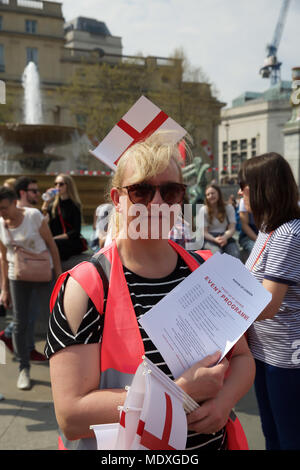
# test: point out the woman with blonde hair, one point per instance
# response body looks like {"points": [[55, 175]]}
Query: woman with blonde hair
{"points": [[64, 212], [219, 223], [143, 267]]}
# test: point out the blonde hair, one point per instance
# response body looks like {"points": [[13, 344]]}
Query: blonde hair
{"points": [[148, 158], [72, 192], [10, 183]]}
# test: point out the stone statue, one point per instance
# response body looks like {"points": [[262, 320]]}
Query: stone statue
{"points": [[194, 176]]}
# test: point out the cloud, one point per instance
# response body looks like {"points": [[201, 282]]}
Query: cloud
{"points": [[226, 38]]}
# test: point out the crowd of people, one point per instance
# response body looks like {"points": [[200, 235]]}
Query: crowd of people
{"points": [[55, 227], [265, 224]]}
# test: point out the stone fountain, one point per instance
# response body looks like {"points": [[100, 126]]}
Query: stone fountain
{"points": [[33, 137]]}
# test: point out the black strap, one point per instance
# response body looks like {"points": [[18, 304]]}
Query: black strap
{"points": [[99, 261], [196, 256]]}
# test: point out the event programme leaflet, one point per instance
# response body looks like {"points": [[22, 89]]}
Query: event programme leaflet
{"points": [[209, 311]]}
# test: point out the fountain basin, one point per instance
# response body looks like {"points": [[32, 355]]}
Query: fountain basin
{"points": [[33, 139]]}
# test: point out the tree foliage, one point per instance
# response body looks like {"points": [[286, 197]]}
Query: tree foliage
{"points": [[98, 95]]}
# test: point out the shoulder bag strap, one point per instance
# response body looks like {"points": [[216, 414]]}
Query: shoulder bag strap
{"points": [[61, 218], [196, 256]]}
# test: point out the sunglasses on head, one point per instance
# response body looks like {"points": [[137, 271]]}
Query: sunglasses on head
{"points": [[143, 193], [59, 184]]}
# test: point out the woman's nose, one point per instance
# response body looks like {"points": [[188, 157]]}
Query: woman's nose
{"points": [[157, 199]]}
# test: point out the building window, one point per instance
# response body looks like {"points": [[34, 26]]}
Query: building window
{"points": [[234, 163], [243, 156], [32, 55], [234, 145], [253, 153], [243, 144], [225, 146], [225, 161], [253, 143], [2, 64], [31, 26]]}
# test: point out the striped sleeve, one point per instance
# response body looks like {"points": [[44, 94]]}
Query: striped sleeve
{"points": [[283, 262], [60, 335]]}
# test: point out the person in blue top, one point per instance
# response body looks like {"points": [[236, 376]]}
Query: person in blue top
{"points": [[270, 192]]}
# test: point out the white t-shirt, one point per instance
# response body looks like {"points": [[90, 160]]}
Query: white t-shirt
{"points": [[26, 235], [216, 226]]}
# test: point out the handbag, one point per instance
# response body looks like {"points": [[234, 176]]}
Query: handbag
{"points": [[29, 266]]}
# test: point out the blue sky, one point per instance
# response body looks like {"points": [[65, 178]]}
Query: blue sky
{"points": [[226, 38]]}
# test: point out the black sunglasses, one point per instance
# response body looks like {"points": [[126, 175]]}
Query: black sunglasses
{"points": [[143, 193], [59, 184], [35, 191]]}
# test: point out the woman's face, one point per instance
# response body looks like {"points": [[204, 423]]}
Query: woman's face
{"points": [[8, 209], [212, 196], [61, 185], [155, 219]]}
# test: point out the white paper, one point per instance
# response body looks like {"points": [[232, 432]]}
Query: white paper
{"points": [[208, 311]]}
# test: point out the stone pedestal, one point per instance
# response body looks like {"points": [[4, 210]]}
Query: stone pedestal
{"points": [[291, 129], [291, 133]]}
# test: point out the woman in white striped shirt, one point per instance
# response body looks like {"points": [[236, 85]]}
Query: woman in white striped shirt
{"points": [[271, 194]]}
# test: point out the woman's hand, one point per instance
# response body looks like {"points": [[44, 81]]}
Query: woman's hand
{"points": [[204, 379], [210, 417], [221, 240], [5, 298]]}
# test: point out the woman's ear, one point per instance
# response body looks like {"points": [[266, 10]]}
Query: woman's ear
{"points": [[115, 197]]}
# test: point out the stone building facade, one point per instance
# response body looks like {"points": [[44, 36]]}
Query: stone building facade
{"points": [[33, 30]]}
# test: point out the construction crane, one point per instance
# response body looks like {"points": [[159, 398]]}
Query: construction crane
{"points": [[271, 68]]}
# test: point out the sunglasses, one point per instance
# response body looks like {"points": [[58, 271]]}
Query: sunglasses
{"points": [[59, 184], [143, 193], [35, 191]]}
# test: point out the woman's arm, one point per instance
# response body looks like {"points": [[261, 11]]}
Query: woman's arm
{"points": [[278, 291], [75, 377], [5, 293], [47, 237], [230, 231], [208, 236], [212, 415], [244, 217]]}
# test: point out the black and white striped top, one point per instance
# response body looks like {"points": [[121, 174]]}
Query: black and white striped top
{"points": [[145, 293], [276, 341]]}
